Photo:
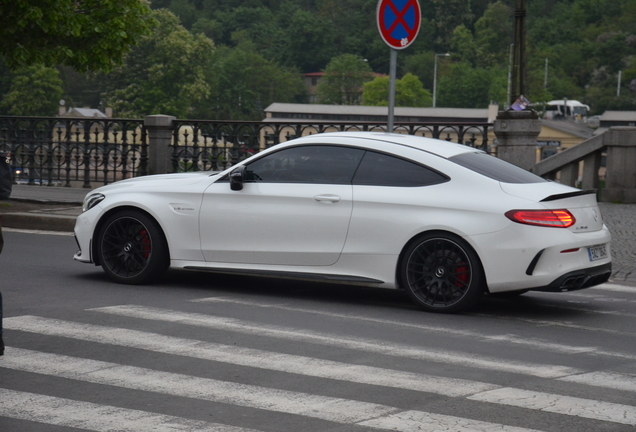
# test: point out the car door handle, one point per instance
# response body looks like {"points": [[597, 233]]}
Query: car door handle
{"points": [[327, 198]]}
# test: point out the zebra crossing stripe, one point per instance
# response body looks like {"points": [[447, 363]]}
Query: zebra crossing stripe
{"points": [[337, 340], [507, 396], [85, 415], [290, 402], [288, 363], [98, 418], [615, 288], [616, 381], [418, 421], [559, 404]]}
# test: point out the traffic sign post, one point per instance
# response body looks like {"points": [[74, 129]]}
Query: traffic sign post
{"points": [[398, 24]]}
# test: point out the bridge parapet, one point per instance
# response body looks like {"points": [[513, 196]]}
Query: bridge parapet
{"points": [[583, 162]]}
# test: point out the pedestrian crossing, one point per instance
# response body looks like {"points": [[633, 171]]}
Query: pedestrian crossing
{"points": [[356, 402]]}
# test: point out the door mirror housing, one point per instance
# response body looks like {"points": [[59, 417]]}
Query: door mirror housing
{"points": [[237, 177]]}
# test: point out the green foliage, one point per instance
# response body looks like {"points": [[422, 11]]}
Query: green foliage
{"points": [[493, 35], [244, 83], [343, 80], [85, 34], [34, 91], [467, 87], [409, 92], [163, 74]]}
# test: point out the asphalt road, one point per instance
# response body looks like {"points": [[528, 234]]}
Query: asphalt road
{"points": [[203, 352]]}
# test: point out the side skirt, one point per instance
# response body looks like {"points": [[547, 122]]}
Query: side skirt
{"points": [[347, 279]]}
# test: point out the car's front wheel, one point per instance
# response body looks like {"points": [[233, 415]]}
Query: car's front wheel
{"points": [[131, 248], [442, 273]]}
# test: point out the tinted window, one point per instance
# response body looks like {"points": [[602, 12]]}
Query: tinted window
{"points": [[495, 168], [378, 169], [307, 164]]}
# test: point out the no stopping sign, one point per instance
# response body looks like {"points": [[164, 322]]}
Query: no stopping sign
{"points": [[398, 22]]}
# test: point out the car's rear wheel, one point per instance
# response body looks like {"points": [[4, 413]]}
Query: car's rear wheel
{"points": [[131, 248], [442, 273]]}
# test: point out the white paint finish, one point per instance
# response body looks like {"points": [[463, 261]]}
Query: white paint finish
{"points": [[418, 421], [98, 418], [275, 224], [112, 374], [616, 381], [300, 365], [565, 405], [337, 340]]}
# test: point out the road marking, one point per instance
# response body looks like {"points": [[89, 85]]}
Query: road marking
{"points": [[283, 401], [326, 408], [337, 340], [98, 418], [613, 380], [418, 421], [539, 344], [615, 288], [288, 363], [558, 404], [337, 410]]}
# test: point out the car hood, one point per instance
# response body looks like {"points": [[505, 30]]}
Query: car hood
{"points": [[157, 181]]}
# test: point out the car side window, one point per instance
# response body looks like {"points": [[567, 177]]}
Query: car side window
{"points": [[318, 164], [378, 169]]}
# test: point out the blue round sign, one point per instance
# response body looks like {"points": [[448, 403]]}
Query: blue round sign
{"points": [[398, 22]]}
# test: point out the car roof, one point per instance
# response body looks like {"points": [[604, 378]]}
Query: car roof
{"points": [[442, 148]]}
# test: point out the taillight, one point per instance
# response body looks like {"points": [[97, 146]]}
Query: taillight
{"points": [[545, 218]]}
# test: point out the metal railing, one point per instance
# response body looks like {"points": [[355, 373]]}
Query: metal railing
{"points": [[74, 152], [216, 145], [78, 152]]}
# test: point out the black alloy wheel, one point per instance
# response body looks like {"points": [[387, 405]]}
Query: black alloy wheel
{"points": [[442, 273], [131, 248]]}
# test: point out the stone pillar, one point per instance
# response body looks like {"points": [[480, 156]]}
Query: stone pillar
{"points": [[517, 133], [620, 179], [159, 128]]}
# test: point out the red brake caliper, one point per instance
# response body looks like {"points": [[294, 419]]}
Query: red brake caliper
{"points": [[145, 241]]}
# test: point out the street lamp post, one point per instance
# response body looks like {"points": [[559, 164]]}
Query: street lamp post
{"points": [[435, 77]]}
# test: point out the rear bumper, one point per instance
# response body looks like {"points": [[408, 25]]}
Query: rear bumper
{"points": [[579, 279]]}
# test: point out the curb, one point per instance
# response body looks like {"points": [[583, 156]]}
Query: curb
{"points": [[39, 222]]}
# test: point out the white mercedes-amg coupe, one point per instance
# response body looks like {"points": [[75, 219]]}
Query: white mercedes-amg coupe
{"points": [[443, 221]]}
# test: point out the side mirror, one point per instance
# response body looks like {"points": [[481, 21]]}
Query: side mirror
{"points": [[237, 177]]}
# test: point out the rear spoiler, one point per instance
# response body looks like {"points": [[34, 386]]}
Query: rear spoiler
{"points": [[569, 195]]}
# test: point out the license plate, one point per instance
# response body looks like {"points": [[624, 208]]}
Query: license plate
{"points": [[597, 252]]}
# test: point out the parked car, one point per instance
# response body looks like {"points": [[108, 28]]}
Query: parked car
{"points": [[443, 221]]}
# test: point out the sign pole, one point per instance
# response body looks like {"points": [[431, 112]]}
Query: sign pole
{"points": [[398, 24], [392, 68]]}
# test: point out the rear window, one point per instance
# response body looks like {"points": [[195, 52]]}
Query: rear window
{"points": [[495, 168]]}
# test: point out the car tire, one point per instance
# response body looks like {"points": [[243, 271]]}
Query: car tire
{"points": [[442, 273], [132, 248]]}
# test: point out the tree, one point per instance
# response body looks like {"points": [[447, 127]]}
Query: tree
{"points": [[409, 92], [84, 34], [309, 42], [448, 15], [34, 91], [467, 87], [463, 45], [243, 83], [493, 35], [163, 74], [343, 80]]}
